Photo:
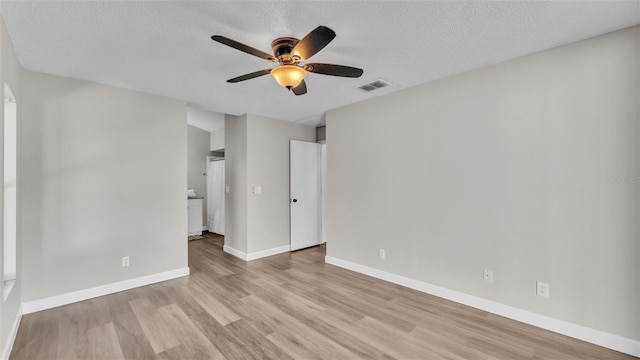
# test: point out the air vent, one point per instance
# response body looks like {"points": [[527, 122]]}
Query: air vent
{"points": [[375, 85]]}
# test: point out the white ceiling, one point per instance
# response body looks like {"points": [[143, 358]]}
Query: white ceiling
{"points": [[164, 47]]}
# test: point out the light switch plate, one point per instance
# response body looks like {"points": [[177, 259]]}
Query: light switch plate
{"points": [[488, 276], [227, 189], [257, 189]]}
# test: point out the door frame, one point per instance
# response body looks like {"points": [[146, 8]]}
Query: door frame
{"points": [[210, 158], [320, 233]]}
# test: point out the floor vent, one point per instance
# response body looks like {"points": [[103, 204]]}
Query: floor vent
{"points": [[375, 85]]}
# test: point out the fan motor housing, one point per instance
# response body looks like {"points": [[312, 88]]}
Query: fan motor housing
{"points": [[282, 50]]}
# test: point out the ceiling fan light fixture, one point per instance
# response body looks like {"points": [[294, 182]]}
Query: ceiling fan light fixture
{"points": [[288, 76], [288, 52]]}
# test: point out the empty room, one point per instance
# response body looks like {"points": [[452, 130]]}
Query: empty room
{"points": [[364, 179]]}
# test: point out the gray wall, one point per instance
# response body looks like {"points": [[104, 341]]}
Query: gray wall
{"points": [[529, 168], [235, 168], [197, 151], [257, 153], [103, 172], [216, 140], [268, 166], [10, 74], [321, 133]]}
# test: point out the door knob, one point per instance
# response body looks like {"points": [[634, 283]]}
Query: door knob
{"points": [[295, 200]]}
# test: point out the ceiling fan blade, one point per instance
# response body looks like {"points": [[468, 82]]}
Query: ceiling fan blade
{"points": [[300, 89], [252, 75], [333, 70], [242, 47], [315, 41]]}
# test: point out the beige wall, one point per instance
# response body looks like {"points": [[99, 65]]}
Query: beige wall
{"points": [[104, 176], [10, 74], [268, 167], [321, 133], [216, 140], [257, 154], [197, 151], [235, 169], [529, 168]]}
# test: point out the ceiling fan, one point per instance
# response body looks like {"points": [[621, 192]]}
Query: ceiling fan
{"points": [[288, 52]]}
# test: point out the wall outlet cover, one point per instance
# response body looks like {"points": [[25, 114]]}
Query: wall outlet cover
{"points": [[542, 289]]}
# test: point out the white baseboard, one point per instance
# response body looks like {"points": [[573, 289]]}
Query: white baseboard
{"points": [[601, 338], [258, 254], [237, 253], [268, 252], [80, 295], [6, 352]]}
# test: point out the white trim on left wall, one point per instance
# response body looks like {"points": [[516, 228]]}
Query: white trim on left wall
{"points": [[85, 294], [6, 352]]}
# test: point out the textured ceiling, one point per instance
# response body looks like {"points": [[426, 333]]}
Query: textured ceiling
{"points": [[164, 47]]}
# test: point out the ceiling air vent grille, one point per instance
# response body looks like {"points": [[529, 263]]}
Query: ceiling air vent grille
{"points": [[375, 85]]}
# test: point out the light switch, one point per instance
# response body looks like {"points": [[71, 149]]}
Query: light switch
{"points": [[227, 189], [257, 189]]}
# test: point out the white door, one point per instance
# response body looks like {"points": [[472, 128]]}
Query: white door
{"points": [[304, 199]]}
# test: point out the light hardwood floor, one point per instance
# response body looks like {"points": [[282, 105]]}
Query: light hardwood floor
{"points": [[288, 306]]}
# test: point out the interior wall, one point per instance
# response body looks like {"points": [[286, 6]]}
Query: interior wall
{"points": [[197, 152], [10, 72], [205, 119], [216, 140], [236, 180], [321, 133], [528, 168], [268, 167], [103, 177], [257, 154]]}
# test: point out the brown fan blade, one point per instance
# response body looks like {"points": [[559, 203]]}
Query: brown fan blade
{"points": [[333, 70], [249, 76], [300, 89], [242, 47], [315, 41]]}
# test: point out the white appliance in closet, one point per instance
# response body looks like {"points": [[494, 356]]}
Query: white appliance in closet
{"points": [[195, 216], [215, 195]]}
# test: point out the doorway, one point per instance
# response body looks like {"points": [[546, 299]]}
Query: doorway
{"points": [[306, 194], [215, 194]]}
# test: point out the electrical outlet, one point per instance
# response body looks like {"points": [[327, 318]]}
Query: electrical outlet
{"points": [[542, 289], [382, 254], [488, 276], [125, 261]]}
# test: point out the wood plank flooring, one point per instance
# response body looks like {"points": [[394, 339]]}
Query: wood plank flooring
{"points": [[288, 306]]}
